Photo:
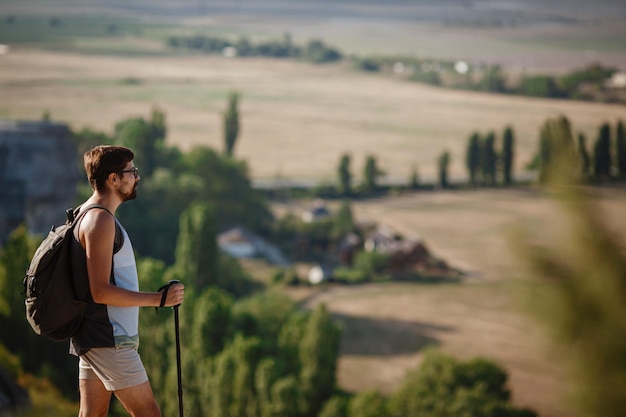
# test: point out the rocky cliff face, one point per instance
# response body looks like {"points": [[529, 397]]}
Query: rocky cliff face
{"points": [[38, 175]]}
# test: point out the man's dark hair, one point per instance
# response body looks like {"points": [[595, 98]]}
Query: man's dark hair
{"points": [[104, 160]]}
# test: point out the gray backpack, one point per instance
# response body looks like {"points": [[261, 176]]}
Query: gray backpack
{"points": [[52, 308]]}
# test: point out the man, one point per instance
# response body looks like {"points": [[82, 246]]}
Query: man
{"points": [[108, 339]]}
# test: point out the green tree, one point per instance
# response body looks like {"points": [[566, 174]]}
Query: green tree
{"points": [[222, 387], [414, 179], [473, 157], [493, 80], [291, 334], [442, 387], [266, 375], [286, 397], [578, 291], [247, 354], [557, 147], [344, 175], [620, 149], [212, 316], [196, 250], [602, 153], [489, 159], [227, 187], [269, 310], [145, 137], [443, 164], [544, 152], [318, 52], [368, 404], [231, 124], [371, 173], [585, 160], [343, 221], [541, 86], [508, 154], [319, 349], [336, 406]]}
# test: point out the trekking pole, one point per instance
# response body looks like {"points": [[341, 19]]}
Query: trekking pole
{"points": [[178, 363], [178, 360]]}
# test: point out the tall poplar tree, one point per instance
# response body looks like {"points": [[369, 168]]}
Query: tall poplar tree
{"points": [[557, 148], [443, 164], [267, 373], [196, 249], [508, 155], [620, 149], [583, 154], [602, 153], [343, 222], [231, 124], [489, 159], [472, 158], [414, 179], [222, 384], [371, 172], [544, 152], [318, 350], [344, 175]]}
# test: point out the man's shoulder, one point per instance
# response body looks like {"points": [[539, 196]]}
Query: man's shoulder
{"points": [[97, 220]]}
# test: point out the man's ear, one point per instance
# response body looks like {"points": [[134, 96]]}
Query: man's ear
{"points": [[112, 178]]}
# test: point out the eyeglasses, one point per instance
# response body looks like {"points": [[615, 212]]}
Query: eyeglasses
{"points": [[134, 170]]}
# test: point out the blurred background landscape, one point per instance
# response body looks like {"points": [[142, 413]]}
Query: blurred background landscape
{"points": [[361, 112]]}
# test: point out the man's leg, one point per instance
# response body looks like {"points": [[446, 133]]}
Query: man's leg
{"points": [[139, 400], [94, 398]]}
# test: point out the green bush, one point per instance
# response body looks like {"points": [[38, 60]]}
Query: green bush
{"points": [[371, 263], [350, 276]]}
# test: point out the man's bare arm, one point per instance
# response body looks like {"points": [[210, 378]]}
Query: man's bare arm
{"points": [[97, 236]]}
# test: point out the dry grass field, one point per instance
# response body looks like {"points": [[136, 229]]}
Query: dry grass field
{"points": [[297, 119]]}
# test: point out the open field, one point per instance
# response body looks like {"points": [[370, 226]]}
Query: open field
{"points": [[386, 326], [528, 34], [297, 119]]}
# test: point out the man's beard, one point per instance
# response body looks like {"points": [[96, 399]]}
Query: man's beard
{"points": [[128, 196]]}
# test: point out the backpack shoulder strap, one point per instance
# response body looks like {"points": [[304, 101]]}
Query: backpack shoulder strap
{"points": [[75, 215]]}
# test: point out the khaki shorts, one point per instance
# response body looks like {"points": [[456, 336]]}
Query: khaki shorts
{"points": [[117, 368]]}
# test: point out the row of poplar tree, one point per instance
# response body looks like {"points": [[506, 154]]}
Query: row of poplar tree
{"points": [[606, 161], [490, 159], [488, 164]]}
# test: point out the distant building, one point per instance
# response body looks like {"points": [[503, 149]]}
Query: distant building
{"points": [[38, 175], [618, 80], [239, 242], [404, 253], [317, 212]]}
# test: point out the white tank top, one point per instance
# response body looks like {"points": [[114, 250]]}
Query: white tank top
{"points": [[125, 320]]}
